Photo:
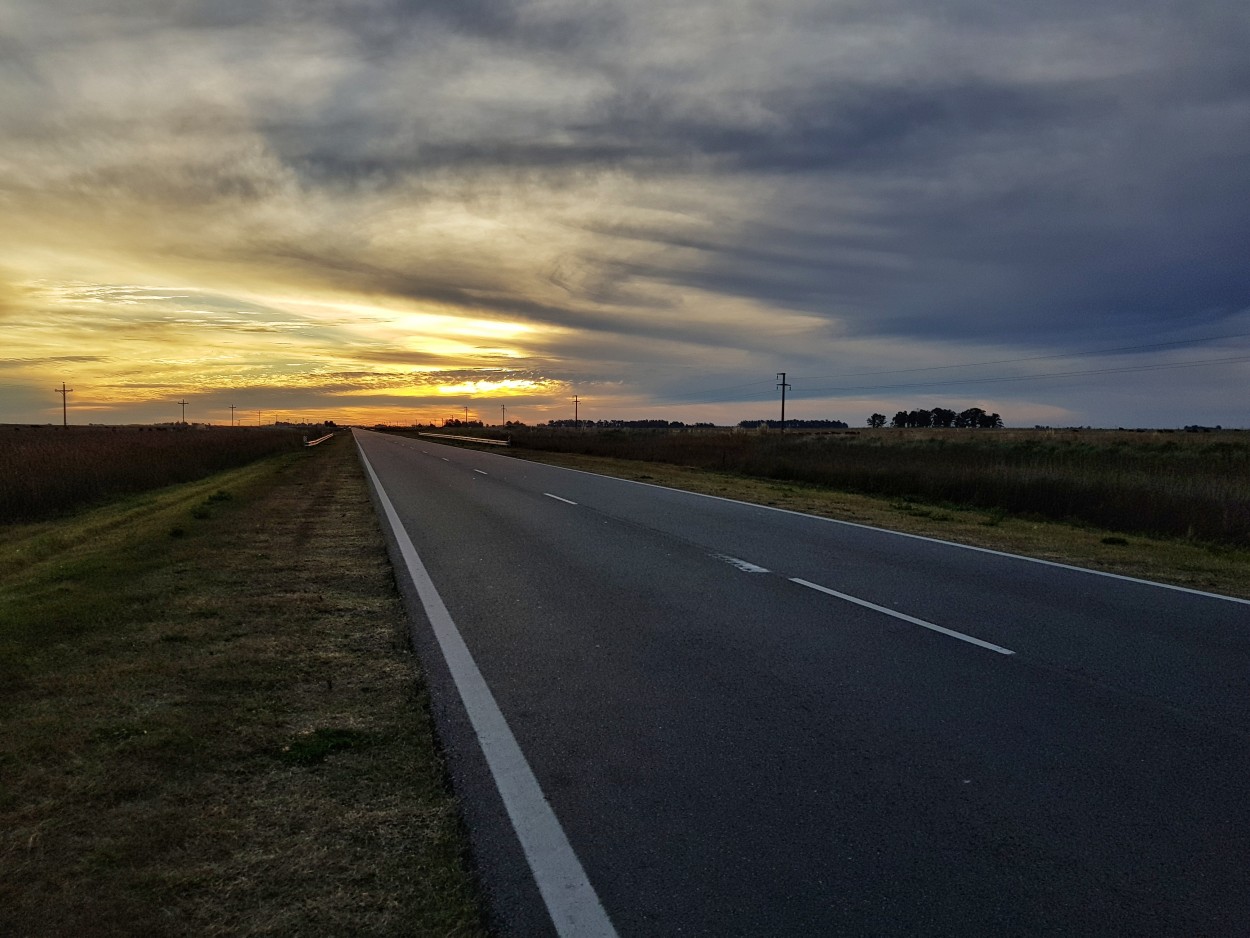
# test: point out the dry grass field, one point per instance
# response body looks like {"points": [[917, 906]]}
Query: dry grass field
{"points": [[1194, 486], [46, 471]]}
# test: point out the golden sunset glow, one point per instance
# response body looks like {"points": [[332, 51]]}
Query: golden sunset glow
{"points": [[379, 216]]}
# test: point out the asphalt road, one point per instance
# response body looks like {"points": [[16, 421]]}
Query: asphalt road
{"points": [[747, 721]]}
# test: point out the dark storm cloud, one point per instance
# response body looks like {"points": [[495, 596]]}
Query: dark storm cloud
{"points": [[1001, 201]]}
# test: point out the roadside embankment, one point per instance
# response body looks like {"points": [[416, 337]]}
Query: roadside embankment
{"points": [[212, 722]]}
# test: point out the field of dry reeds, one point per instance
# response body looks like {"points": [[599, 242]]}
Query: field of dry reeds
{"points": [[1171, 484], [46, 471]]}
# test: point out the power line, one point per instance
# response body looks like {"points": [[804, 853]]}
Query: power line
{"points": [[703, 398], [1052, 374], [707, 397], [1031, 358]]}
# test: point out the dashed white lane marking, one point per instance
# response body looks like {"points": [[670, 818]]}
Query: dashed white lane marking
{"points": [[559, 499], [744, 565], [480, 472], [921, 537], [444, 459], [906, 618], [570, 898]]}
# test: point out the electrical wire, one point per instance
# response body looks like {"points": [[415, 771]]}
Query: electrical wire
{"points": [[1030, 358], [709, 396], [1162, 366]]}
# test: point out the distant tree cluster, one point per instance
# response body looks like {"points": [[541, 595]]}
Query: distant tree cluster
{"points": [[794, 424], [973, 417], [456, 422]]}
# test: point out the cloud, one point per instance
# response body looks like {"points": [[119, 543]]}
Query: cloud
{"points": [[716, 189]]}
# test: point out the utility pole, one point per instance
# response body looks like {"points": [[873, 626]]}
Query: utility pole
{"points": [[781, 383], [466, 415], [184, 411], [576, 420], [258, 418], [63, 390], [503, 409], [232, 415]]}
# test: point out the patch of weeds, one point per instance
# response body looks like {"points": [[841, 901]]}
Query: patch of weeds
{"points": [[994, 518], [312, 748], [118, 733], [200, 512], [177, 531], [1116, 541], [174, 637], [221, 495]]}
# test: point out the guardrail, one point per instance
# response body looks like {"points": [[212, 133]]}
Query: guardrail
{"points": [[467, 439], [318, 440]]}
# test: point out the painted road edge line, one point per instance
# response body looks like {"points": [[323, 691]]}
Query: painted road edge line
{"points": [[559, 499], [570, 898], [906, 618]]}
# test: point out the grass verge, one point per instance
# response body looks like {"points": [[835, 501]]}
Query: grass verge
{"points": [[1213, 568], [211, 724]]}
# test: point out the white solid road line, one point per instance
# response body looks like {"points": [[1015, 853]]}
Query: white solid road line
{"points": [[906, 618], [559, 499], [570, 898]]}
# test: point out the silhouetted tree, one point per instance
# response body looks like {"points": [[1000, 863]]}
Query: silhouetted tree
{"points": [[900, 419], [990, 422], [970, 417], [876, 420]]}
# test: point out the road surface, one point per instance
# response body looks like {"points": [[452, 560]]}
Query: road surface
{"points": [[693, 716]]}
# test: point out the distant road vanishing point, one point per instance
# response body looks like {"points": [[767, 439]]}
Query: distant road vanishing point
{"points": [[670, 714]]}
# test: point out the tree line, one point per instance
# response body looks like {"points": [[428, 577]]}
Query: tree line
{"points": [[973, 417]]}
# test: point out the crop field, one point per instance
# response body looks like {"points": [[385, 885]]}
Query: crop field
{"points": [[48, 471], [1194, 486]]}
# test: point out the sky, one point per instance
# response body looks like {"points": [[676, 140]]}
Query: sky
{"points": [[398, 211]]}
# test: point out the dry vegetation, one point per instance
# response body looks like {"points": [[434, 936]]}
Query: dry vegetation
{"points": [[1183, 485], [49, 471], [212, 721]]}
